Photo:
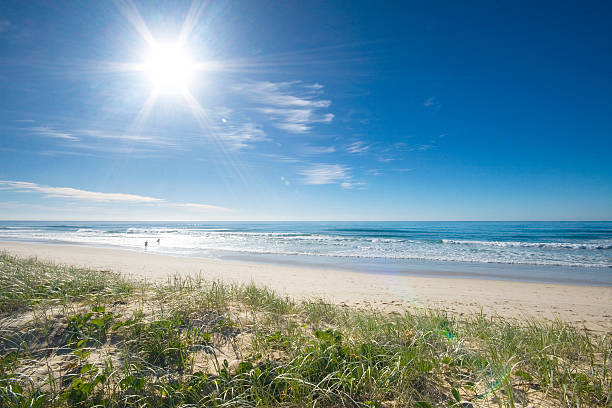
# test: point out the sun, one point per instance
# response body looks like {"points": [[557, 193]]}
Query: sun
{"points": [[169, 67]]}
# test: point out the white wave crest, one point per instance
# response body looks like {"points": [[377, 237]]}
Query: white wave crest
{"points": [[607, 244]]}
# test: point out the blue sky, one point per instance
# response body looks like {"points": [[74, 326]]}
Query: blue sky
{"points": [[306, 111]]}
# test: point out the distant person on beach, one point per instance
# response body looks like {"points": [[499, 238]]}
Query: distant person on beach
{"points": [[146, 244], [157, 241]]}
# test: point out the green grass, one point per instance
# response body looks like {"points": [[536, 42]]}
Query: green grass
{"points": [[83, 338], [26, 282]]}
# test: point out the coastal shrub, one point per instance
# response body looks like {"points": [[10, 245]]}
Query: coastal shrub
{"points": [[165, 342], [191, 343], [90, 328]]}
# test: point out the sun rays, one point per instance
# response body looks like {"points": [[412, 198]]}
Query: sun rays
{"points": [[167, 64]]}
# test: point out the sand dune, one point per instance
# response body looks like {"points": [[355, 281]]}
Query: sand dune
{"points": [[588, 306]]}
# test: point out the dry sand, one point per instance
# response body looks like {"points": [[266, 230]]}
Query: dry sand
{"points": [[588, 306]]}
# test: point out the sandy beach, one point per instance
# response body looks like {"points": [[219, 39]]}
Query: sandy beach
{"points": [[588, 306]]}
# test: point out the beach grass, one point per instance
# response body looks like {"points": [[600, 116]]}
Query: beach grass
{"points": [[78, 337]]}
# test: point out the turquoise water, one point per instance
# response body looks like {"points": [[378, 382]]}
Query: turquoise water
{"points": [[541, 251]]}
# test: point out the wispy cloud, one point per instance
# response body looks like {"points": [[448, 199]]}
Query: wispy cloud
{"points": [[320, 173], [76, 135], [281, 158], [385, 159], [239, 136], [432, 102], [94, 196], [96, 141], [73, 193], [290, 106], [309, 149], [398, 151], [295, 120], [47, 131], [278, 93], [348, 185], [359, 147], [234, 129], [104, 134]]}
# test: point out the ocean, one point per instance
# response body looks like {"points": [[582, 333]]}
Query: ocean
{"points": [[556, 252]]}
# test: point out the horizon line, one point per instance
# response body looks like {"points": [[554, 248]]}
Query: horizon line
{"points": [[295, 220]]}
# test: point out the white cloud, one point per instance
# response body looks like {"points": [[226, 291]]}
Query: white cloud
{"points": [[281, 158], [321, 173], [46, 131], [357, 147], [347, 185], [234, 129], [398, 150], [238, 136], [68, 192], [295, 120], [87, 139], [101, 134], [276, 93], [325, 174], [309, 149], [383, 159], [93, 196], [290, 106]]}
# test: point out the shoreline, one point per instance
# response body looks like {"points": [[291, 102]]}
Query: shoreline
{"points": [[581, 305], [505, 272], [426, 268]]}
